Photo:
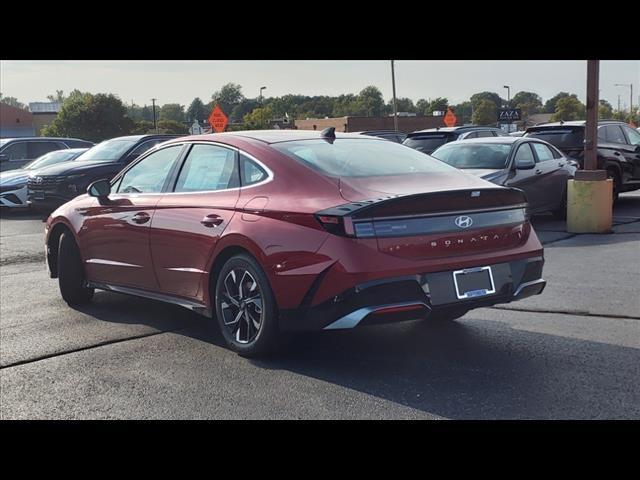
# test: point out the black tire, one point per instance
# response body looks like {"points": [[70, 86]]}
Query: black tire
{"points": [[560, 213], [236, 280], [71, 277], [615, 176]]}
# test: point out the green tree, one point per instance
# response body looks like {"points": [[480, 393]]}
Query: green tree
{"points": [[171, 126], [227, 98], [463, 112], [142, 127], [172, 111], [403, 105], [605, 110], [197, 111], [550, 105], [438, 104], [489, 96], [369, 102], [528, 102], [422, 106], [569, 108], [258, 119], [13, 101], [245, 106], [484, 113], [91, 117], [58, 97]]}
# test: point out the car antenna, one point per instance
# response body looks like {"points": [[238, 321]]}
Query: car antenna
{"points": [[329, 132]]}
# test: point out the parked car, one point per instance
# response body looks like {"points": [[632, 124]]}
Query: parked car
{"points": [[17, 152], [391, 135], [50, 187], [426, 141], [519, 133], [13, 183], [535, 166], [618, 149], [274, 231]]}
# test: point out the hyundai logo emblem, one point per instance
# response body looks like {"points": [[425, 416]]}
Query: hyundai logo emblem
{"points": [[463, 221], [38, 180]]}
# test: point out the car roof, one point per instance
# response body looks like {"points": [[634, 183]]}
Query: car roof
{"points": [[461, 128], [575, 123], [274, 136], [504, 140], [11, 139], [373, 132], [141, 137]]}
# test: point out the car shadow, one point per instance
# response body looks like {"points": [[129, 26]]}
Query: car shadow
{"points": [[467, 369]]}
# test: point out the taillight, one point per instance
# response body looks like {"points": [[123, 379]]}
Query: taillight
{"points": [[336, 225]]}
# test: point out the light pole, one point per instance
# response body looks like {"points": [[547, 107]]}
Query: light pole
{"points": [[153, 102], [508, 94], [260, 96], [630, 85], [395, 109]]}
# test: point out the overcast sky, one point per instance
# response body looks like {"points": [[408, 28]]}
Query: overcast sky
{"points": [[181, 81]]}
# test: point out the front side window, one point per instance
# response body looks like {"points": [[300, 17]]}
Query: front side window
{"points": [[349, 157], [251, 173], [208, 168], [613, 134], [633, 135], [544, 153], [150, 174], [16, 151], [524, 154]]}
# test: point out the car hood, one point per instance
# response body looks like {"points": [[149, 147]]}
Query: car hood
{"points": [[14, 177], [356, 189], [72, 167]]}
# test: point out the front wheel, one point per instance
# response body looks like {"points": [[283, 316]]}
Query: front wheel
{"points": [[245, 307], [560, 213], [615, 177], [71, 278]]}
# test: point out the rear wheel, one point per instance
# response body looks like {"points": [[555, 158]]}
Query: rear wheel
{"points": [[71, 277], [615, 176], [245, 307], [560, 213]]}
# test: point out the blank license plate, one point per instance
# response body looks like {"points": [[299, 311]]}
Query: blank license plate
{"points": [[473, 282], [38, 195]]}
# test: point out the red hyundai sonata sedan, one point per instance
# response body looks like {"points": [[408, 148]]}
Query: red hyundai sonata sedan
{"points": [[273, 231]]}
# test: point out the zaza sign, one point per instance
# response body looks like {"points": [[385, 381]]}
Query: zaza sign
{"points": [[508, 114]]}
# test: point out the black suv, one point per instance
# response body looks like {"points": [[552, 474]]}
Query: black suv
{"points": [[390, 135], [426, 141], [50, 187], [618, 148], [17, 152]]}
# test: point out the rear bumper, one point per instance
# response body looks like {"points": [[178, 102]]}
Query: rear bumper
{"points": [[417, 296]]}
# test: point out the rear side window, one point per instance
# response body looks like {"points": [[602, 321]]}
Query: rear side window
{"points": [[544, 153], [428, 144], [250, 172], [485, 133], [37, 149], [561, 137], [208, 168], [360, 158]]}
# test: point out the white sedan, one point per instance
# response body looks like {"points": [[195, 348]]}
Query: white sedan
{"points": [[13, 183]]}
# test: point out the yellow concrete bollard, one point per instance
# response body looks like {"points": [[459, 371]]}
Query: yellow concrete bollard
{"points": [[589, 206]]}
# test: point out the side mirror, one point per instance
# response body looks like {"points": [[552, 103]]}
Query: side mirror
{"points": [[524, 165], [99, 189]]}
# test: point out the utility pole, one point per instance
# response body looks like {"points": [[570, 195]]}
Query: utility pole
{"points": [[155, 126], [618, 102], [395, 109], [591, 131], [630, 85]]}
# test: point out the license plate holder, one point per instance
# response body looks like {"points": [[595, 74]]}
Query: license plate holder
{"points": [[38, 195], [473, 282]]}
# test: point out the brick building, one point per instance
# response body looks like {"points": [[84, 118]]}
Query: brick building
{"points": [[44, 113], [357, 124], [15, 122]]}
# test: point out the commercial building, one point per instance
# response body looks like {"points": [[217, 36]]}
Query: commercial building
{"points": [[406, 124], [43, 114], [15, 122]]}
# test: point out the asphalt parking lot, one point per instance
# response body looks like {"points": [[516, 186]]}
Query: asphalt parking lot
{"points": [[571, 353]]}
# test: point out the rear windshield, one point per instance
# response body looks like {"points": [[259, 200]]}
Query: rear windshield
{"points": [[428, 144], [561, 137], [360, 158], [474, 155]]}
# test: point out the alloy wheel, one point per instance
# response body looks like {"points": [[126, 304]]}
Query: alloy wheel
{"points": [[241, 304]]}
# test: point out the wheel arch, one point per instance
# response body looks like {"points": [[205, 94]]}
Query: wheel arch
{"points": [[53, 239]]}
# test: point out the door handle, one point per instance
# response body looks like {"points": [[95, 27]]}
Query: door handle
{"points": [[141, 217], [211, 220], [538, 172]]}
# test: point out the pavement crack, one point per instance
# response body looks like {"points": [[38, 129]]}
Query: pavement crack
{"points": [[566, 312], [88, 347]]}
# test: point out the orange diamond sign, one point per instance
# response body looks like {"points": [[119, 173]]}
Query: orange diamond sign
{"points": [[450, 119], [218, 120]]}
